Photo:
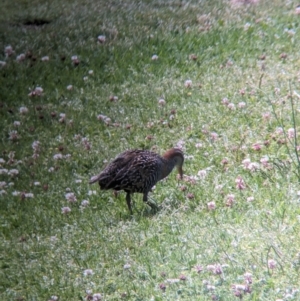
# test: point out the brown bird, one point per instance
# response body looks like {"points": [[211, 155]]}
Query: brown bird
{"points": [[138, 171]]}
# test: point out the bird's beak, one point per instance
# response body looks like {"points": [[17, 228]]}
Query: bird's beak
{"points": [[180, 171]]}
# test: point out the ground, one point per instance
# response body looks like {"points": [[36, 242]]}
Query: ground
{"points": [[82, 81]]}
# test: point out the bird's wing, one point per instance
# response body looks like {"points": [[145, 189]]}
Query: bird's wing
{"points": [[111, 169], [138, 172]]}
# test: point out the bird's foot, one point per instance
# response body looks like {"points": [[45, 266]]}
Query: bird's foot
{"points": [[154, 207]]}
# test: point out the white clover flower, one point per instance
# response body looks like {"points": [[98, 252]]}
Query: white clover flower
{"points": [[101, 38], [51, 169], [127, 266], [21, 57], [13, 172], [62, 117], [65, 210], [13, 135], [39, 90], [107, 120], [23, 110], [37, 183], [188, 83], [91, 192], [36, 145], [250, 199], [231, 106], [45, 58], [290, 32], [71, 197], [8, 50], [29, 195], [17, 123], [16, 193], [291, 133], [3, 171], [101, 117], [58, 157], [69, 87], [241, 104], [211, 205], [97, 297], [2, 184], [91, 72], [88, 272], [2, 63], [85, 203], [161, 102], [202, 173], [113, 98], [154, 57]]}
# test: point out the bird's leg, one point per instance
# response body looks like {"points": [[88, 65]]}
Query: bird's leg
{"points": [[145, 199], [128, 200]]}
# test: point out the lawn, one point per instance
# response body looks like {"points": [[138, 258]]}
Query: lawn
{"points": [[82, 81]]}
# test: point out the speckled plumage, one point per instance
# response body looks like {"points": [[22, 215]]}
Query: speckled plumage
{"points": [[138, 171]]}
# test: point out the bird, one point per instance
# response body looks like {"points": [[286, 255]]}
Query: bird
{"points": [[139, 170]]}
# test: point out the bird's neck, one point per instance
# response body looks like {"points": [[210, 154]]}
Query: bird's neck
{"points": [[168, 166]]}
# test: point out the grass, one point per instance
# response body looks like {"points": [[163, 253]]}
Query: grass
{"points": [[230, 229]]}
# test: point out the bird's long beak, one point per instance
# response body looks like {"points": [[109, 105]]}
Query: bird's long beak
{"points": [[180, 171]]}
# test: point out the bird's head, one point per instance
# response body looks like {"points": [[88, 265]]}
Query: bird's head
{"points": [[176, 156]]}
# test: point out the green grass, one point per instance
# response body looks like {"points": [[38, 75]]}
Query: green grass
{"points": [[46, 254]]}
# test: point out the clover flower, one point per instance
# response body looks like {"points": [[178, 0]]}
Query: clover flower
{"points": [[188, 83], [13, 135], [13, 172], [240, 184], [241, 104], [21, 57], [161, 102], [38, 91], [85, 203], [230, 199], [101, 38], [272, 264], [215, 269], [211, 205], [8, 50], [225, 101], [65, 210], [71, 197], [58, 157], [97, 297], [291, 133], [23, 110], [231, 106], [88, 272], [256, 146]]}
